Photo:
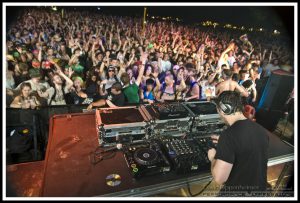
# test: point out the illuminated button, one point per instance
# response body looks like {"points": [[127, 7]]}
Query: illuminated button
{"points": [[135, 170], [25, 131], [133, 165]]}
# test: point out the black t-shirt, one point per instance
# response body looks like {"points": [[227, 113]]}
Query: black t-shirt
{"points": [[245, 145], [117, 99]]}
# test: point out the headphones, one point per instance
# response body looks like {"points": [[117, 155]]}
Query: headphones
{"points": [[226, 108]]}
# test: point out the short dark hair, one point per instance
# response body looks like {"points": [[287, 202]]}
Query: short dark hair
{"points": [[223, 65], [247, 83], [235, 77], [150, 81], [117, 86], [227, 73], [232, 99]]}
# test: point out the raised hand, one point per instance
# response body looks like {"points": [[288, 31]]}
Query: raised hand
{"points": [[144, 57], [231, 46]]}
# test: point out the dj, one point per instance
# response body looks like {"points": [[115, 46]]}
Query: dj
{"points": [[240, 158]]}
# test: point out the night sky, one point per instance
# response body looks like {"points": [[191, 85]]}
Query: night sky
{"points": [[279, 17]]}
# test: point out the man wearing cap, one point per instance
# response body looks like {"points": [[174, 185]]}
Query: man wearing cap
{"points": [[108, 79]]}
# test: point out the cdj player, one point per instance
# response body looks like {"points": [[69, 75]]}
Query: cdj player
{"points": [[122, 124], [164, 111], [146, 159], [169, 119], [206, 118]]}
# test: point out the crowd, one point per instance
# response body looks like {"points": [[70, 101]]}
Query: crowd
{"points": [[98, 60]]}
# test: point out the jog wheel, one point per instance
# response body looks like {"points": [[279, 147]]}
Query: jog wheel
{"points": [[145, 156]]}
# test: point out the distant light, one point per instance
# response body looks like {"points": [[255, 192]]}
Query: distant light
{"points": [[145, 22], [260, 29], [152, 17], [54, 8], [98, 8], [276, 32]]}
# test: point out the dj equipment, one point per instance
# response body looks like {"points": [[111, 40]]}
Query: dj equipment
{"points": [[166, 111], [276, 91], [187, 155], [121, 125], [146, 159], [169, 119], [206, 119]]}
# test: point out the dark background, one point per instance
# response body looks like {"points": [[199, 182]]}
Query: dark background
{"points": [[268, 17]]}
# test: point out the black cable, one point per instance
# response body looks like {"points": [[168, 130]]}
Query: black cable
{"points": [[194, 195], [101, 154]]}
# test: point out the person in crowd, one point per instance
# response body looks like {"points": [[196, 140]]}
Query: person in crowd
{"points": [[249, 85], [229, 85], [149, 91], [77, 93], [25, 100], [131, 91], [115, 98], [56, 94], [169, 91], [193, 90]]}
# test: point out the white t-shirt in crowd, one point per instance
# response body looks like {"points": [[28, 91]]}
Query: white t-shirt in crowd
{"points": [[165, 65], [59, 97], [231, 60]]}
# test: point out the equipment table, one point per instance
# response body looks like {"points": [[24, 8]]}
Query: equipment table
{"points": [[68, 171]]}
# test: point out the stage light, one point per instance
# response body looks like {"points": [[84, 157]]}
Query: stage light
{"points": [[54, 8], [260, 29], [98, 8]]}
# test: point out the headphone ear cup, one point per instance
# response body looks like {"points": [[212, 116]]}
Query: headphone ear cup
{"points": [[226, 108]]}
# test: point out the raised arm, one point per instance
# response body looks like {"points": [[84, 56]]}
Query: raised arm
{"points": [[69, 82], [141, 68]]}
